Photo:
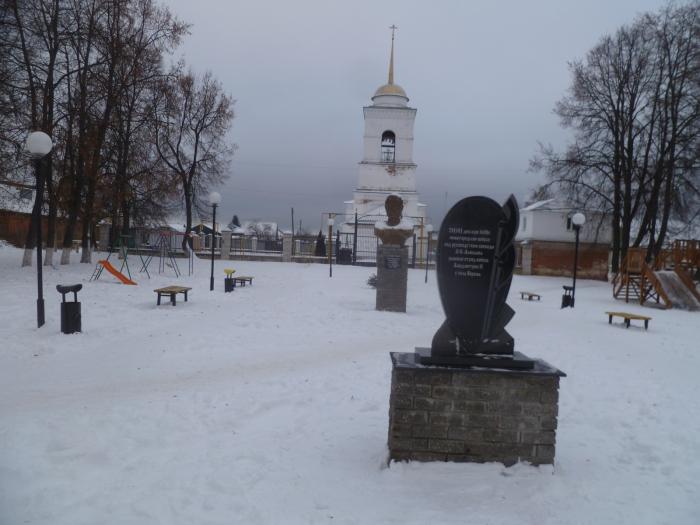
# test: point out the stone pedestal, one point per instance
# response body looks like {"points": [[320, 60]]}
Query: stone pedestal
{"points": [[472, 414], [287, 247], [226, 244], [392, 277]]}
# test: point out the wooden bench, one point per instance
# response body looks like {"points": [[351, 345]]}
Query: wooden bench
{"points": [[242, 279], [530, 296], [628, 317], [172, 291]]}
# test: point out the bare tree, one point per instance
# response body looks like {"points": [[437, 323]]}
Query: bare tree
{"points": [[193, 116], [31, 44], [90, 73], [633, 107]]}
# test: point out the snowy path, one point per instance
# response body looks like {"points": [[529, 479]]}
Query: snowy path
{"points": [[270, 405]]}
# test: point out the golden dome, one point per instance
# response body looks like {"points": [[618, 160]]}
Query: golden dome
{"points": [[390, 89]]}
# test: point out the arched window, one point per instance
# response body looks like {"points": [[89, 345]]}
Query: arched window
{"points": [[388, 146]]}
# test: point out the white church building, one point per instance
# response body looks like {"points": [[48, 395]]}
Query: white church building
{"points": [[387, 164]]}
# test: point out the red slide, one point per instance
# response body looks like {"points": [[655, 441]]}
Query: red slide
{"points": [[111, 269]]}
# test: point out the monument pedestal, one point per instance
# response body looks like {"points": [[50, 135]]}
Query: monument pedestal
{"points": [[445, 413], [392, 277]]}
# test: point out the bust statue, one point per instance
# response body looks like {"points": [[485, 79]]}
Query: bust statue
{"points": [[394, 230], [394, 207]]}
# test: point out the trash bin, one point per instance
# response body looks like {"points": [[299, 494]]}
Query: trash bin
{"points": [[229, 284], [568, 298], [70, 311]]}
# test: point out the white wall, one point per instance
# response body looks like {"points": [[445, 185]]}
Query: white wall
{"points": [[549, 225], [387, 177], [380, 119]]}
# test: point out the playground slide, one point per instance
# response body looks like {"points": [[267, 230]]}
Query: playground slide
{"points": [[679, 294], [111, 269]]}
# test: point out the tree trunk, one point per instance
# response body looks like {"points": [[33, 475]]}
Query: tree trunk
{"points": [[51, 223], [186, 243], [29, 243], [86, 252]]}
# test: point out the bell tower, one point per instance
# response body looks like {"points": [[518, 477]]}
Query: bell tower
{"points": [[387, 163]]}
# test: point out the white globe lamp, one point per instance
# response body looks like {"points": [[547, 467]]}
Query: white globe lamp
{"points": [[38, 144]]}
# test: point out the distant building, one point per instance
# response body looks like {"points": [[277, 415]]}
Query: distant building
{"points": [[16, 204], [545, 241], [386, 168], [387, 164], [15, 214]]}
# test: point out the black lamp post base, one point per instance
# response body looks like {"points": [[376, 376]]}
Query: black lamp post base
{"points": [[211, 284], [40, 319]]}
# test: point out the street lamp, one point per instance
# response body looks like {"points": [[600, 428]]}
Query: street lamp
{"points": [[569, 297], [429, 229], [331, 222], [214, 200], [38, 146]]}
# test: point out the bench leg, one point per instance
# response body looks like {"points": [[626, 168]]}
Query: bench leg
{"points": [[610, 319], [627, 323], [158, 298], [185, 296], [646, 323], [173, 301]]}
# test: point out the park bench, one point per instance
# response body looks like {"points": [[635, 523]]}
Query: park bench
{"points": [[172, 291], [628, 317], [242, 279], [530, 296]]}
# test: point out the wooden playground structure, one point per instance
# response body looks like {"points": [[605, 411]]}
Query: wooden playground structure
{"points": [[669, 281]]}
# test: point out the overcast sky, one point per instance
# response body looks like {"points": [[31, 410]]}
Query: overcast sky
{"points": [[484, 76]]}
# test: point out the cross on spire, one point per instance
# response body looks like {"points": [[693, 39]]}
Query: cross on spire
{"points": [[391, 60]]}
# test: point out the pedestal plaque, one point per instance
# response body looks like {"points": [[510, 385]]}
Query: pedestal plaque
{"points": [[392, 277]]}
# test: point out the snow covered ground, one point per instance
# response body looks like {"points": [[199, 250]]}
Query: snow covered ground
{"points": [[270, 405]]}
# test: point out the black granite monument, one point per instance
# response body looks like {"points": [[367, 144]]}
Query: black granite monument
{"points": [[475, 261]]}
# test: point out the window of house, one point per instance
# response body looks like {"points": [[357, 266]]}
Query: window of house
{"points": [[569, 224], [388, 146], [26, 193]]}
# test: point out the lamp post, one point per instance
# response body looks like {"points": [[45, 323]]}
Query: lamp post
{"points": [[38, 146], [578, 220], [429, 231], [214, 200], [331, 222]]}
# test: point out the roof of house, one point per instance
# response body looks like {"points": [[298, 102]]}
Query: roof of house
{"points": [[547, 205], [253, 227]]}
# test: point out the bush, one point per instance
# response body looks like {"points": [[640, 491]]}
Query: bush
{"points": [[372, 281], [320, 250]]}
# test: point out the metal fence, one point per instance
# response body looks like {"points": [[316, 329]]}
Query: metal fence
{"points": [[356, 243], [255, 245]]}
